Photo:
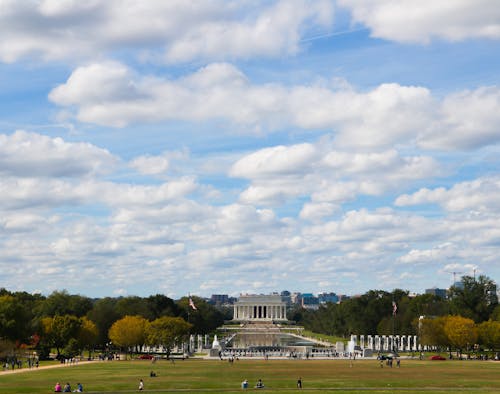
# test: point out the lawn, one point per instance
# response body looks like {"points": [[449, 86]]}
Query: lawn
{"points": [[335, 376]]}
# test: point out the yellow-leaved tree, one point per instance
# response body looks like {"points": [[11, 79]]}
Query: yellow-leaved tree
{"points": [[489, 334], [129, 332], [461, 332]]}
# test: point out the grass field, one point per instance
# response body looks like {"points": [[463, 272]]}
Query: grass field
{"points": [[335, 376]]}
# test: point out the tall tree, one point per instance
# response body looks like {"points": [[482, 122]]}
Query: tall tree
{"points": [[160, 305], [58, 330], [134, 306], [15, 319], [461, 332], [62, 303], [475, 299], [489, 334], [431, 332], [204, 319], [167, 331], [129, 332], [104, 314], [88, 334]]}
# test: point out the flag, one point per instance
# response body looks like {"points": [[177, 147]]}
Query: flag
{"points": [[394, 308], [191, 303]]}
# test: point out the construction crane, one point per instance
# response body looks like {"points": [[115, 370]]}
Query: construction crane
{"points": [[454, 275]]}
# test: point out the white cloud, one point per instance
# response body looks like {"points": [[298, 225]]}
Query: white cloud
{"points": [[316, 211], [438, 254], [326, 175], [32, 192], [173, 30], [421, 21], [278, 160], [29, 154], [476, 195], [150, 165], [111, 94], [468, 119]]}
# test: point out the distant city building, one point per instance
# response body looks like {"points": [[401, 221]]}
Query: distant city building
{"points": [[491, 294], [458, 285], [328, 297], [219, 299], [442, 293], [286, 296], [309, 301]]}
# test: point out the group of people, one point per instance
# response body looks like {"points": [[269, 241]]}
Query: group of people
{"points": [[260, 384], [67, 388]]}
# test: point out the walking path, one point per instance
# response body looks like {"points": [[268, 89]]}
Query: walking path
{"points": [[59, 365]]}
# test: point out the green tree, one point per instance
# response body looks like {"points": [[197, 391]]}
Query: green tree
{"points": [[473, 298], [167, 331], [160, 305], [134, 306], [15, 319], [88, 334], [129, 332], [104, 314], [58, 330], [62, 303], [205, 318]]}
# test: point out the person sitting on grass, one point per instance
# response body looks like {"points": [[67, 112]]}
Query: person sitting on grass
{"points": [[259, 384]]}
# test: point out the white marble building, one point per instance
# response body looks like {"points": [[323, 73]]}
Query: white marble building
{"points": [[263, 308]]}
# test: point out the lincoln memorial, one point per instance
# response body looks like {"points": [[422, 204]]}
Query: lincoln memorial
{"points": [[260, 308]]}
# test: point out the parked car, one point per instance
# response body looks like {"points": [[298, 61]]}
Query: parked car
{"points": [[146, 357], [437, 357]]}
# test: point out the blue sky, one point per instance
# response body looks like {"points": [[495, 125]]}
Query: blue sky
{"points": [[247, 147]]}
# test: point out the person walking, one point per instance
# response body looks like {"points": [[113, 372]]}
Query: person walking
{"points": [[141, 385], [299, 383]]}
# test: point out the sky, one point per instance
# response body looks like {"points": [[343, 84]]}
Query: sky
{"points": [[226, 147]]}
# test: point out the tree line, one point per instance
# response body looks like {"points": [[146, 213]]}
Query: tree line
{"points": [[469, 315], [71, 323]]}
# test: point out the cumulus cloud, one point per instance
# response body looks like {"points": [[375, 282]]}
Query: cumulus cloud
{"points": [[28, 154], [467, 120], [419, 22], [150, 165], [438, 254], [32, 192], [325, 175], [174, 31], [476, 195], [111, 94], [278, 160]]}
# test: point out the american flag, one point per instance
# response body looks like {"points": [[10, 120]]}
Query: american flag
{"points": [[191, 303]]}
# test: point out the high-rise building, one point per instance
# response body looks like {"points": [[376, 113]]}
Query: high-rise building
{"points": [[442, 293]]}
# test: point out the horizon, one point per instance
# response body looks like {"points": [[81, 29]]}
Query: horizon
{"points": [[167, 148]]}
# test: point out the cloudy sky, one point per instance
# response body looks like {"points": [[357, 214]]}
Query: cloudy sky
{"points": [[248, 146]]}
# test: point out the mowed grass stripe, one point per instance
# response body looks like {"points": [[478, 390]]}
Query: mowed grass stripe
{"points": [[278, 375]]}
